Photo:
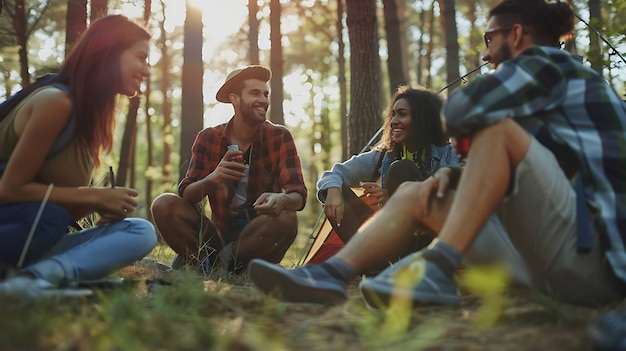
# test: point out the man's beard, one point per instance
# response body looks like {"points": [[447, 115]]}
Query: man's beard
{"points": [[504, 53], [249, 114]]}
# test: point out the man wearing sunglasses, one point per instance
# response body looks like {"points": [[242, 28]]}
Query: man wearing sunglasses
{"points": [[547, 156]]}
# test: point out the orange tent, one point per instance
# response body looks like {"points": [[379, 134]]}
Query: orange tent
{"points": [[324, 242]]}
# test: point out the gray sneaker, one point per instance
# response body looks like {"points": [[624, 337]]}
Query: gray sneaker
{"points": [[309, 283], [413, 277], [35, 288]]}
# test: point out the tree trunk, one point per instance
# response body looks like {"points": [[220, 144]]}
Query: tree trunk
{"points": [[253, 31], [166, 129], [99, 8], [595, 52], [76, 22], [428, 58], [192, 110], [396, 61], [21, 36], [364, 118], [448, 21], [570, 45], [148, 108], [276, 64], [473, 56], [128, 145], [420, 45], [343, 88]]}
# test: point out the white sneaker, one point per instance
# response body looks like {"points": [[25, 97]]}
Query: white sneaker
{"points": [[35, 288]]}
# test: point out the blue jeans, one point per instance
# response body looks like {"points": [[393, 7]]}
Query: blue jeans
{"points": [[16, 221], [93, 253]]}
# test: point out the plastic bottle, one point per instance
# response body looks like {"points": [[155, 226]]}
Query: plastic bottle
{"points": [[238, 158]]}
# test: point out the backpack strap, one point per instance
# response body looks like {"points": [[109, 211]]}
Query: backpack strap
{"points": [[67, 134]]}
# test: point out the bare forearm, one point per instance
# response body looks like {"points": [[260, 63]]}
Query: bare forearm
{"points": [[195, 192], [293, 202]]}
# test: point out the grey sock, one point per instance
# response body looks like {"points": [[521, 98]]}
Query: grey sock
{"points": [[446, 257], [339, 269]]}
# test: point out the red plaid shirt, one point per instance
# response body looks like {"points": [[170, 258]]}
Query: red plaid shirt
{"points": [[274, 166]]}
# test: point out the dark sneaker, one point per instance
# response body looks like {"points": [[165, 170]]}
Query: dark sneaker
{"points": [[413, 277], [303, 284], [35, 288], [205, 267], [179, 262], [608, 332]]}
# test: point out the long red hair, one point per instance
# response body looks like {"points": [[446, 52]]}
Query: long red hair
{"points": [[92, 70]]}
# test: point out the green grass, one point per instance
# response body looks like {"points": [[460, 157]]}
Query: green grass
{"points": [[225, 312]]}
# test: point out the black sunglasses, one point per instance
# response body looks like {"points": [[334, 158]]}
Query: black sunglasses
{"points": [[487, 35]]}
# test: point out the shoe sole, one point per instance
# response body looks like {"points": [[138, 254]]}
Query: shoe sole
{"points": [[59, 294], [377, 295], [270, 278]]}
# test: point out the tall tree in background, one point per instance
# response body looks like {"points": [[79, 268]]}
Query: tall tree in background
{"points": [[570, 44], [166, 92], [127, 164], [396, 61], [76, 22], [148, 110], [595, 52], [431, 45], [448, 22], [253, 31], [364, 118], [17, 13], [99, 8], [192, 111], [276, 64], [473, 54], [341, 77]]}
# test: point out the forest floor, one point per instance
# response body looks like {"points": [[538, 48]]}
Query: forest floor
{"points": [[180, 310]]}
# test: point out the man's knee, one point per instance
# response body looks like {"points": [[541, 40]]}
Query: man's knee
{"points": [[288, 220], [166, 205], [285, 225]]}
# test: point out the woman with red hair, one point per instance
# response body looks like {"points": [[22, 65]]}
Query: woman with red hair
{"points": [[51, 134]]}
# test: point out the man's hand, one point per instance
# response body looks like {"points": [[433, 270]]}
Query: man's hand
{"points": [[442, 180], [228, 171], [270, 204]]}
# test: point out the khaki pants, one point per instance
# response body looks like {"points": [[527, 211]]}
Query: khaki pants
{"points": [[539, 217]]}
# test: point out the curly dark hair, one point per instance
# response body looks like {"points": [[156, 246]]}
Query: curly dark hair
{"points": [[426, 123]]}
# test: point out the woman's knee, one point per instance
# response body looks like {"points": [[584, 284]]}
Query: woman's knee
{"points": [[144, 231]]}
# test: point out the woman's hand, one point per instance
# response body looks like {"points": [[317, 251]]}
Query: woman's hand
{"points": [[374, 190], [114, 204], [333, 207]]}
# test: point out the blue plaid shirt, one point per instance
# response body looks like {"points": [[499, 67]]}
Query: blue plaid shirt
{"points": [[548, 89]]}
